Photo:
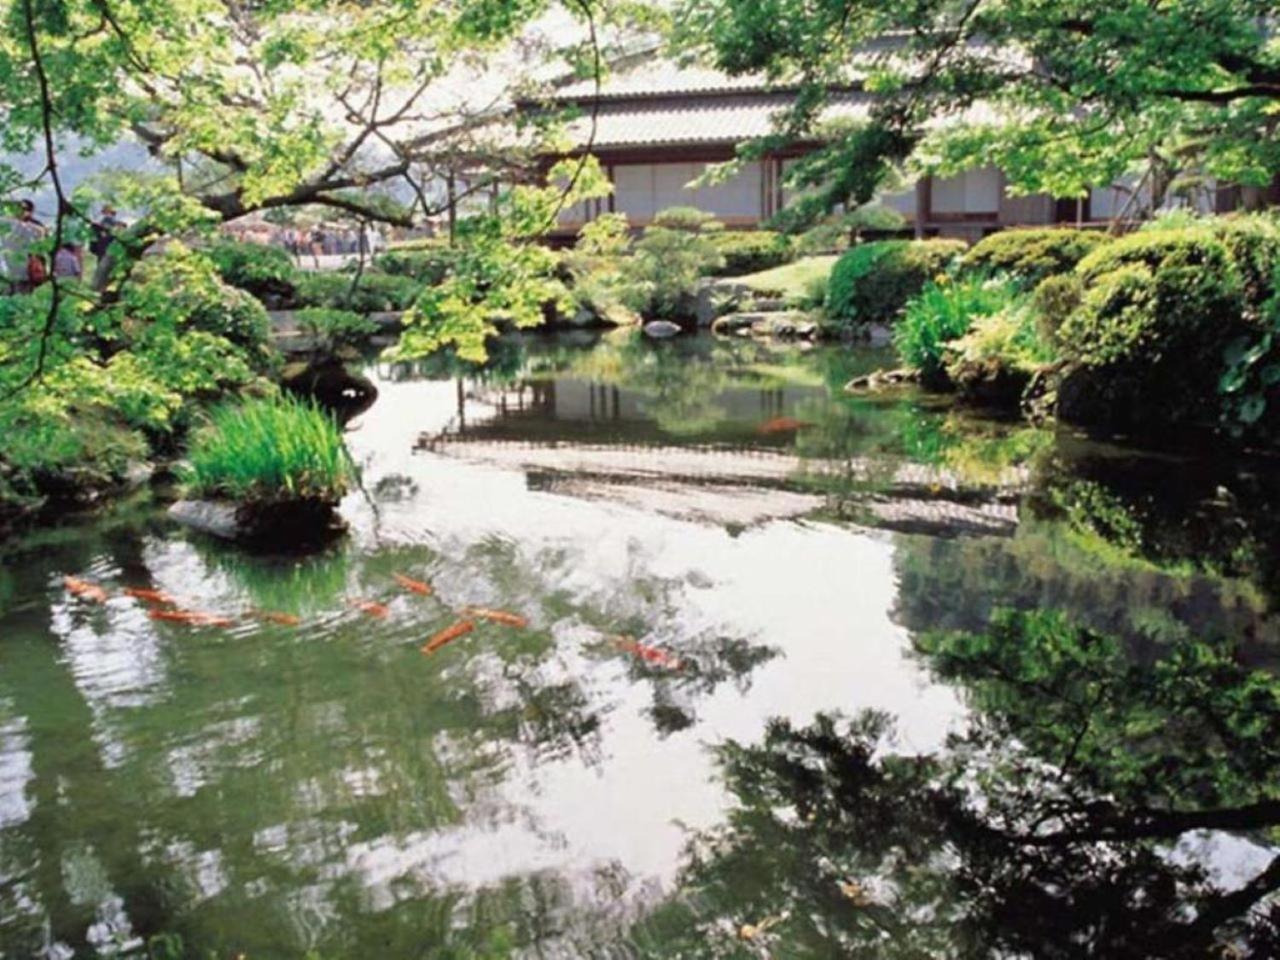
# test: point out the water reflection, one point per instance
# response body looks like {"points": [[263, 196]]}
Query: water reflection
{"points": [[276, 789], [1100, 801]]}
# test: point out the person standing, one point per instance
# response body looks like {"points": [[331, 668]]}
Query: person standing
{"points": [[68, 262], [25, 268], [104, 231]]}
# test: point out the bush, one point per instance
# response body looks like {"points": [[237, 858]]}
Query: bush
{"points": [[182, 290], [749, 251], [1250, 383], [1253, 242], [872, 282], [262, 270], [428, 264], [271, 450], [375, 293], [661, 277], [944, 311], [1030, 256], [333, 329], [995, 360], [1054, 300], [1147, 341]]}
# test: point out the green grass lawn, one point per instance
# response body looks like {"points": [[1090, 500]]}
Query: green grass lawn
{"points": [[791, 279]]}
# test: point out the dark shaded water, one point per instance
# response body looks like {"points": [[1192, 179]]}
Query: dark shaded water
{"points": [[784, 553]]}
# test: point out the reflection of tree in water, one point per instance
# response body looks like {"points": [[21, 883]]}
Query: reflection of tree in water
{"points": [[252, 771], [1046, 827]]}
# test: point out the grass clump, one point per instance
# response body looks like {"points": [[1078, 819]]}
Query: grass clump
{"points": [[944, 311], [270, 450]]}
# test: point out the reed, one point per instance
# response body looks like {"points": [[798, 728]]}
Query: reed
{"points": [[269, 450]]}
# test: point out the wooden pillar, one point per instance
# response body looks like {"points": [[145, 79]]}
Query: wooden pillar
{"points": [[924, 201]]}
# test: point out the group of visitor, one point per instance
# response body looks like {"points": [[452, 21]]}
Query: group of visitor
{"points": [[327, 241], [26, 266]]}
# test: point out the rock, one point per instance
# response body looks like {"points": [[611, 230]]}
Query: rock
{"points": [[732, 323], [332, 385], [989, 382], [661, 329], [282, 526], [714, 298], [882, 379]]}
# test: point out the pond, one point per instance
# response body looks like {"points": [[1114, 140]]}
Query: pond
{"points": [[735, 723]]}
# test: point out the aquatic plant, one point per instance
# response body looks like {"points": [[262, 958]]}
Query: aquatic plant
{"points": [[944, 311], [269, 450]]}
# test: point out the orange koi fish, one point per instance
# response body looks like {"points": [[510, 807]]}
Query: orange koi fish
{"points": [[194, 618], [497, 616], [157, 597], [83, 588], [283, 619], [374, 609], [782, 425], [413, 586], [448, 635], [647, 653]]}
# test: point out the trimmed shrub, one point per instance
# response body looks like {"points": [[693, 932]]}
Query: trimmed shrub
{"points": [[266, 272], [271, 450], [1253, 243], [334, 329], [749, 251], [944, 311], [661, 277], [375, 293], [1054, 300], [1030, 256], [872, 282], [428, 264], [1146, 344]]}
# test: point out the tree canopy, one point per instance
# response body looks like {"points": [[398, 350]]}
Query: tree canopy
{"points": [[1061, 94]]}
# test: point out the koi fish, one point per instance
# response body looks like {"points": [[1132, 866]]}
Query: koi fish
{"points": [[497, 616], [283, 619], [374, 609], [647, 653], [413, 586], [157, 597], [194, 618], [83, 588], [782, 425], [448, 635]]}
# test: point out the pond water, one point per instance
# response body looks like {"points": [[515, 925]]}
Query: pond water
{"points": [[716, 550]]}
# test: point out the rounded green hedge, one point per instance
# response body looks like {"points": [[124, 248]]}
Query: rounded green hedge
{"points": [[872, 282], [428, 264], [1029, 256], [750, 251], [1146, 343]]}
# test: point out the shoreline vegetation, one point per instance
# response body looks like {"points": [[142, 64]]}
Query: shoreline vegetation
{"points": [[1176, 325]]}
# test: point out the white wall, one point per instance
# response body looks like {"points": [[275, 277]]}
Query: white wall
{"points": [[971, 192], [642, 189]]}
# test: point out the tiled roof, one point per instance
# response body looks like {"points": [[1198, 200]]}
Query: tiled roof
{"points": [[655, 76], [696, 118]]}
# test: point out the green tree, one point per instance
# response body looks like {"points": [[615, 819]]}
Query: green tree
{"points": [[1061, 94]]}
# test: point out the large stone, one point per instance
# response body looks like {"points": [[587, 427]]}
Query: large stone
{"points": [[282, 526], [661, 329]]}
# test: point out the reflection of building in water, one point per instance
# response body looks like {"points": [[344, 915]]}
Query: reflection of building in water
{"points": [[571, 408]]}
